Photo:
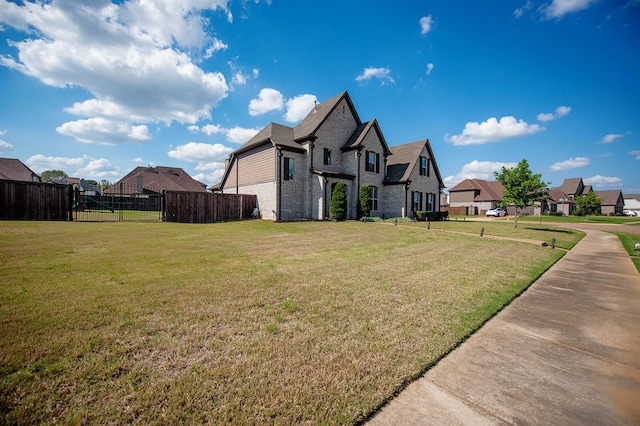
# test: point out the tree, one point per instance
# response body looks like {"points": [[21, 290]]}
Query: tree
{"points": [[92, 182], [53, 176], [365, 201], [587, 204], [338, 207], [522, 188]]}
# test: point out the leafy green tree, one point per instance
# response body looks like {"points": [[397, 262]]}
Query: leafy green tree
{"points": [[365, 201], [92, 182], [587, 204], [522, 188], [338, 207], [53, 176]]}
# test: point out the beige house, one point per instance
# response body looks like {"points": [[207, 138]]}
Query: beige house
{"points": [[293, 170], [476, 195]]}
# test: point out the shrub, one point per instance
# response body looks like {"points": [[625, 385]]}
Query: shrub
{"points": [[338, 207], [364, 206]]}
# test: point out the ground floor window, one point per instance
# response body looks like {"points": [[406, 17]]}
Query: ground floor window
{"points": [[416, 201], [373, 195], [288, 168]]}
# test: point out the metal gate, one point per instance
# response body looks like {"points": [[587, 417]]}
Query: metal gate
{"points": [[117, 205]]}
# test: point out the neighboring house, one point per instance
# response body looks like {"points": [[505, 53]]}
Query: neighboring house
{"points": [[563, 197], [612, 201], [85, 187], [293, 170], [632, 202], [154, 180], [477, 195], [13, 169]]}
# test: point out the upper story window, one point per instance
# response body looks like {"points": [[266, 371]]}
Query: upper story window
{"points": [[288, 168], [373, 162], [425, 164], [327, 157]]}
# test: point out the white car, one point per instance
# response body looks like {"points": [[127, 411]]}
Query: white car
{"points": [[497, 212], [629, 213]]}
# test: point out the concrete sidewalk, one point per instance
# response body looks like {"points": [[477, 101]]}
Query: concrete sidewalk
{"points": [[566, 352]]}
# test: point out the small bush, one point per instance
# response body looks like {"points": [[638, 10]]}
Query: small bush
{"points": [[338, 207]]}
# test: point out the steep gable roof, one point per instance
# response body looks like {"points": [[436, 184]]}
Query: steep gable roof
{"points": [[405, 157], [273, 133], [312, 122], [572, 186], [357, 137], [610, 197], [157, 179], [487, 190], [14, 169]]}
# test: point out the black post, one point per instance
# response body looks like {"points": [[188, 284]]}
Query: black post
{"points": [[70, 203], [481, 232]]}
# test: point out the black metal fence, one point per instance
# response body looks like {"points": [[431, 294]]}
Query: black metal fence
{"points": [[119, 205]]}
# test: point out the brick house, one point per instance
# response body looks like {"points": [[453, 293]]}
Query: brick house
{"points": [[153, 180], [293, 170], [476, 195], [14, 169]]}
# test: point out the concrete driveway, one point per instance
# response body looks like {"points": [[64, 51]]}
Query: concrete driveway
{"points": [[566, 352]]}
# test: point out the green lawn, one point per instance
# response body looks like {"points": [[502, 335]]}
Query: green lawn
{"points": [[244, 322], [629, 241]]}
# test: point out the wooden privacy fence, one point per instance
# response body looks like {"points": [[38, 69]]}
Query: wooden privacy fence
{"points": [[34, 201], [206, 207]]}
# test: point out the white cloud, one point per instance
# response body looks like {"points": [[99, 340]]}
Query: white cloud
{"points": [[210, 159], [138, 160], [558, 8], [96, 169], [216, 46], [39, 163], [561, 111], [611, 137], [240, 134], [635, 154], [298, 107], [134, 57], [83, 167], [492, 130], [426, 22], [239, 78], [102, 131], [268, 100], [5, 146], [520, 11], [234, 134], [429, 68], [197, 152], [382, 74], [572, 163], [477, 170], [603, 181]]}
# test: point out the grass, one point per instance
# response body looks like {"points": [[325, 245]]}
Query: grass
{"points": [[237, 323], [564, 238], [629, 241], [565, 219]]}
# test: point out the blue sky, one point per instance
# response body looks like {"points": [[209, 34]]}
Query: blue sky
{"points": [[100, 89]]}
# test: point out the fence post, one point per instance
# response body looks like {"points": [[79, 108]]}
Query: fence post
{"points": [[70, 203]]}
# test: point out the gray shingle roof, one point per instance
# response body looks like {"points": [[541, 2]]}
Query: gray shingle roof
{"points": [[319, 114], [14, 169], [487, 190], [273, 133], [572, 186], [610, 197], [157, 179]]}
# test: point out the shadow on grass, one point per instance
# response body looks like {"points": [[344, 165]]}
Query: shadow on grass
{"points": [[560, 231]]}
